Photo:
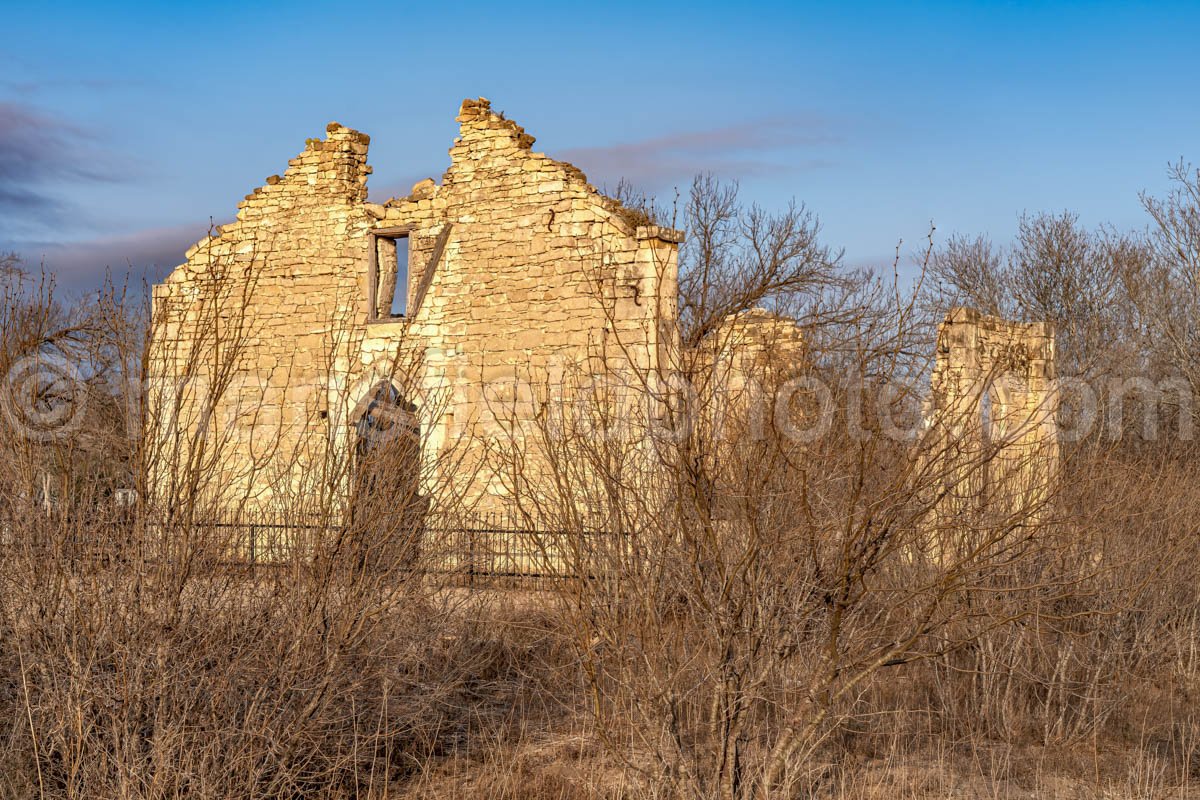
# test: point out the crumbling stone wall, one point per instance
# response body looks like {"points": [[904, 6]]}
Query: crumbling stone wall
{"points": [[540, 276], [524, 284], [993, 406], [520, 274], [752, 346], [248, 331], [741, 369]]}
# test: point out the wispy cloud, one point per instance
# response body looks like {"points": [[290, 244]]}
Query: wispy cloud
{"points": [[762, 147], [81, 265], [41, 85], [772, 145], [37, 150]]}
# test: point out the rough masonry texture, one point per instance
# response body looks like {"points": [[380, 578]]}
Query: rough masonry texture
{"points": [[994, 401], [277, 344], [274, 335]]}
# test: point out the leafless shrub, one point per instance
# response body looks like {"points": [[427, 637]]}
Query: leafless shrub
{"points": [[757, 606], [144, 659]]}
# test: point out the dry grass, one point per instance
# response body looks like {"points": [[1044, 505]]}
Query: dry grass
{"points": [[114, 683], [782, 628]]}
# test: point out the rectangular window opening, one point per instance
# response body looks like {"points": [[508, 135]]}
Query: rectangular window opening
{"points": [[391, 276]]}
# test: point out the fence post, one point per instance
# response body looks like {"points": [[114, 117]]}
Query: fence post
{"points": [[471, 558]]}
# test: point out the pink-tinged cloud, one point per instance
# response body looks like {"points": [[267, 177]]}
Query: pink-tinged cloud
{"points": [[767, 146], [148, 254]]}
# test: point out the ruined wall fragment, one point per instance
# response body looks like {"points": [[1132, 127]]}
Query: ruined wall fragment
{"points": [[542, 282], [740, 369], [251, 332], [992, 453], [522, 280]]}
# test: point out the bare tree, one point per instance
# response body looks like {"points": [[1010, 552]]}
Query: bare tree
{"points": [[764, 591], [737, 258], [756, 550], [1165, 289], [177, 645], [1055, 272]]}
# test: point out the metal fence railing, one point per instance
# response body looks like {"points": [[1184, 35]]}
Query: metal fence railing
{"points": [[473, 549]]}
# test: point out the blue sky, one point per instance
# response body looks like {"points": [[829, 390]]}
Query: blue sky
{"points": [[125, 128]]}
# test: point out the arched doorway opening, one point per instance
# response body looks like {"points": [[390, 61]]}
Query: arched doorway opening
{"points": [[995, 405], [387, 509], [995, 469]]}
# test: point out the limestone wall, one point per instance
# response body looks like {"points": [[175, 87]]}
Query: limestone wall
{"points": [[249, 332], [993, 399], [540, 276], [537, 277]]}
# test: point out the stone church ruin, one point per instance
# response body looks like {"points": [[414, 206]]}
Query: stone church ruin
{"points": [[290, 334], [317, 327]]}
